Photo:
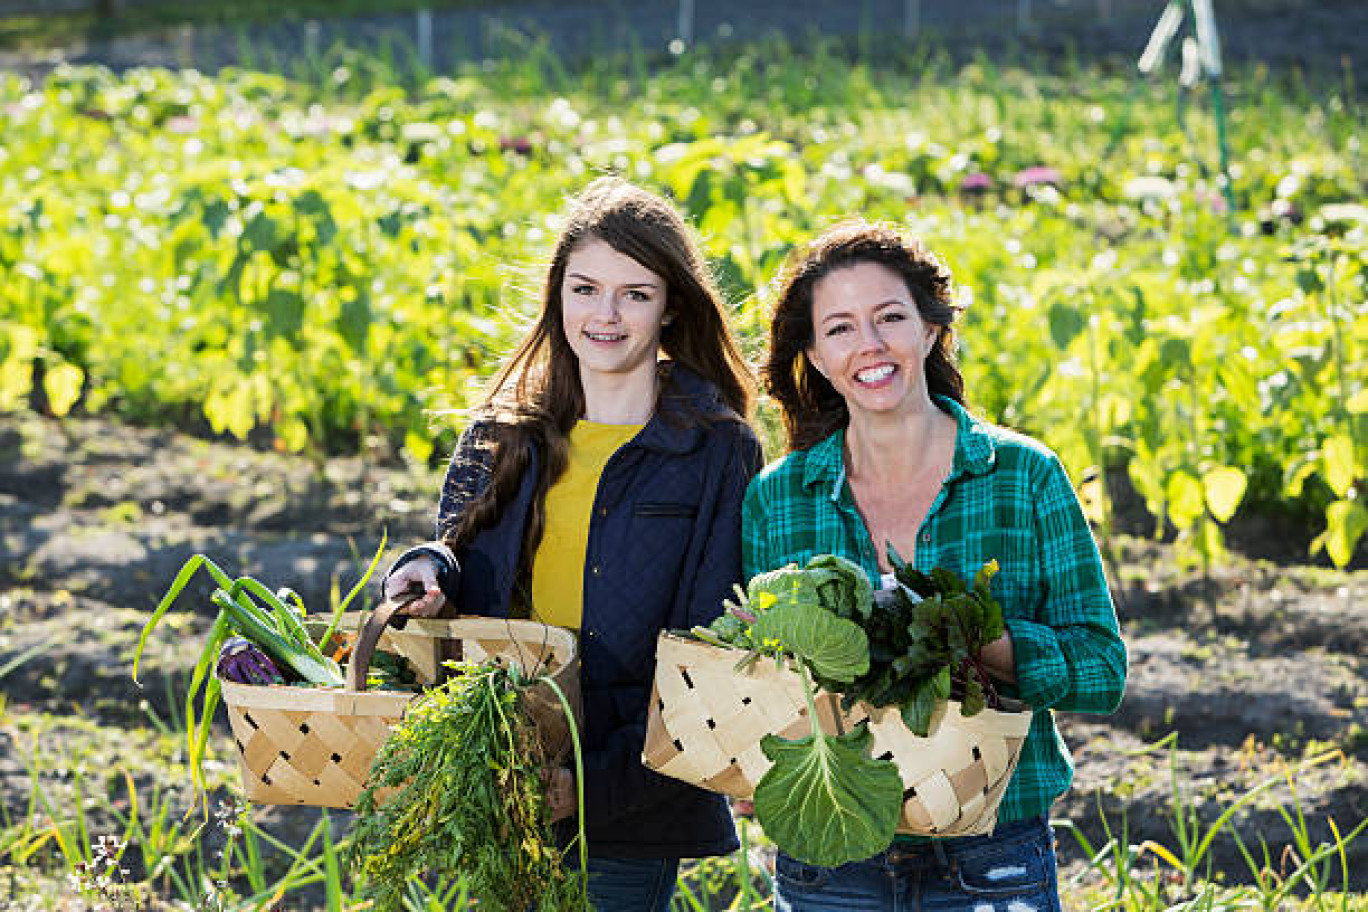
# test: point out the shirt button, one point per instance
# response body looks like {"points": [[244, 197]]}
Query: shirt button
{"points": [[594, 569], [926, 538], [603, 511]]}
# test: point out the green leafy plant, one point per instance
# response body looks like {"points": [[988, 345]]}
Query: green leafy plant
{"points": [[456, 790], [825, 800], [938, 627]]}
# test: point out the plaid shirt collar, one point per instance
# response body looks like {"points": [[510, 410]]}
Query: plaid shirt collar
{"points": [[975, 452]]}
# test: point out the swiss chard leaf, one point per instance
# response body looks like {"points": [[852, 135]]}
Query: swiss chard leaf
{"points": [[825, 801], [918, 709]]}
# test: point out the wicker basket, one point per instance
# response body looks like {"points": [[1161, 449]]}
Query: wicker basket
{"points": [[315, 746], [707, 719]]}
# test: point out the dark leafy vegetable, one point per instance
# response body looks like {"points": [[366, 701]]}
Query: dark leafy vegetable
{"points": [[391, 672], [925, 638]]}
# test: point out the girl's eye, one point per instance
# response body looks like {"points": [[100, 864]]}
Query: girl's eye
{"points": [[837, 329], [893, 316], [638, 295], [582, 289]]}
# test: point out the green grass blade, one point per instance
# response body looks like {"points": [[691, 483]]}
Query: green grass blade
{"points": [[1219, 824], [30, 653], [332, 872], [356, 590]]}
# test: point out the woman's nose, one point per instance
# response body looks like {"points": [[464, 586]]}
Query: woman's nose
{"points": [[871, 340]]}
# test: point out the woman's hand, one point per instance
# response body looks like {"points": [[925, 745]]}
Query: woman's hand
{"points": [[560, 792], [417, 580], [999, 658]]}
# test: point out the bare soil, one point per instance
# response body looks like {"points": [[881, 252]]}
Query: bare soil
{"points": [[1252, 668]]}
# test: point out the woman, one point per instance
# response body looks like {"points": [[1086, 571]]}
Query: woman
{"points": [[599, 488], [883, 452]]}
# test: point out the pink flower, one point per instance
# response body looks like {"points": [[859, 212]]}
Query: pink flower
{"points": [[182, 125], [519, 145], [1039, 174], [978, 182]]}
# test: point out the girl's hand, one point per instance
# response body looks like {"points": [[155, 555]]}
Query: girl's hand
{"points": [[560, 792], [417, 580]]}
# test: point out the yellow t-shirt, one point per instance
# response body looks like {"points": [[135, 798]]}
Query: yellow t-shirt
{"points": [[558, 568]]}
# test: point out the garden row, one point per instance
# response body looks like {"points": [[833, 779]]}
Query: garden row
{"points": [[317, 265]]}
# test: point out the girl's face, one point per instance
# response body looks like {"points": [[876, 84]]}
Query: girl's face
{"points": [[869, 340], [612, 310]]}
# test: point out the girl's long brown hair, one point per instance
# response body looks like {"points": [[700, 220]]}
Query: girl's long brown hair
{"points": [[811, 408], [535, 398]]}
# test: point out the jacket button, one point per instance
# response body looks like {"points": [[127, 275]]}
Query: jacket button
{"points": [[603, 511], [594, 570], [926, 539]]}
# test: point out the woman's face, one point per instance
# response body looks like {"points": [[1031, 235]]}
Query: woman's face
{"points": [[869, 340], [611, 310]]}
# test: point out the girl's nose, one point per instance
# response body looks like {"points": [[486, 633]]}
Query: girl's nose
{"points": [[606, 305]]}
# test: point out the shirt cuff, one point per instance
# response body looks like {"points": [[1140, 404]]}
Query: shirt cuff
{"points": [[1041, 672]]}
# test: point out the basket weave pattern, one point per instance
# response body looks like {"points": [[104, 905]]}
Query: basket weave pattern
{"points": [[315, 746], [707, 720], [308, 747]]}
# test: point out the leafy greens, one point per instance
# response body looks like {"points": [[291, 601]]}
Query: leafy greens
{"points": [[824, 800]]}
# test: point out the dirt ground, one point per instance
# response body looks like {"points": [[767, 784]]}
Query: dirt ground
{"points": [[1253, 669]]}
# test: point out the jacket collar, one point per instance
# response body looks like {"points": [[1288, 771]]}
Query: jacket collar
{"points": [[686, 401], [975, 451]]}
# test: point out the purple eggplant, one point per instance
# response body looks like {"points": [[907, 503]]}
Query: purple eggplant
{"points": [[241, 661]]}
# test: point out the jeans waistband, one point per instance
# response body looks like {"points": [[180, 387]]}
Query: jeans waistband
{"points": [[938, 851]]}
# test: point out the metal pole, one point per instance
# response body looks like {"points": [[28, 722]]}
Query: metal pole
{"points": [[685, 31], [424, 26], [911, 18]]}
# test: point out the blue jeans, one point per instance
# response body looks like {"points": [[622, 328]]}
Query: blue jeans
{"points": [[1014, 869], [631, 884]]}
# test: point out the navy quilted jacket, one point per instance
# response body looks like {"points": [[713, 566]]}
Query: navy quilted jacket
{"points": [[664, 551]]}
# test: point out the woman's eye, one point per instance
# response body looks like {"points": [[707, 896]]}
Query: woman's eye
{"points": [[837, 329], [582, 289], [637, 295], [893, 316]]}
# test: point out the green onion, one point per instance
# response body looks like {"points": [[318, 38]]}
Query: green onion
{"points": [[272, 621]]}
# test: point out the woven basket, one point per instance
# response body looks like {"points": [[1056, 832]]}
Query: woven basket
{"points": [[315, 746], [707, 719]]}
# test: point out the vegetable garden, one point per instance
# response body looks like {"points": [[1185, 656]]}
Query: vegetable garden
{"points": [[318, 269]]}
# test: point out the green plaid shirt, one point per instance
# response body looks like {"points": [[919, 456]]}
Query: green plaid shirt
{"points": [[1006, 497]]}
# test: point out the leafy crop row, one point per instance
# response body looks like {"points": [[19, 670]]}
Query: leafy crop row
{"points": [[320, 265]]}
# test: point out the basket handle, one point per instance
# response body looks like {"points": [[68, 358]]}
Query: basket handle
{"points": [[369, 638]]}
